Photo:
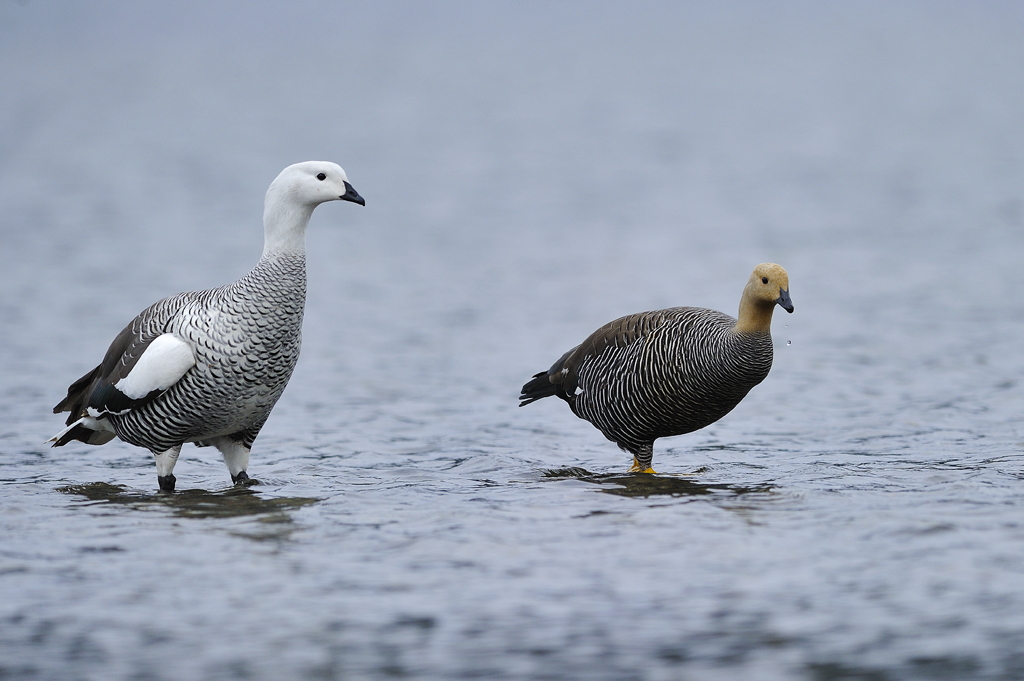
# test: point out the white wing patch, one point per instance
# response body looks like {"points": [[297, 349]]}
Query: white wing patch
{"points": [[165, 361]]}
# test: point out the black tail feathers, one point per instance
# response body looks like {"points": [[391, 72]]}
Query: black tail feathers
{"points": [[537, 388], [77, 433], [78, 394]]}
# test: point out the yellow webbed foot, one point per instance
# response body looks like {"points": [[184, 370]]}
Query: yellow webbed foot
{"points": [[635, 468]]}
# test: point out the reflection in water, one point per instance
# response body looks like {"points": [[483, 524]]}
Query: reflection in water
{"points": [[647, 485], [195, 503]]}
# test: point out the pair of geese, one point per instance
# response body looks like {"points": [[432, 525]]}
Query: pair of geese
{"points": [[208, 366]]}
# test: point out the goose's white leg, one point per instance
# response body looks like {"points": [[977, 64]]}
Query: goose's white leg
{"points": [[236, 457], [164, 465]]}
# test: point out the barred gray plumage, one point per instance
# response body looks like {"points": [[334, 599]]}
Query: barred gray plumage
{"points": [[208, 366], [667, 372]]}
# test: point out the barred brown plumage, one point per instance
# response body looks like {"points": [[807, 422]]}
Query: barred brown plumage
{"points": [[667, 372], [208, 366]]}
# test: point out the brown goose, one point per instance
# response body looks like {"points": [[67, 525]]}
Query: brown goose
{"points": [[667, 372]]}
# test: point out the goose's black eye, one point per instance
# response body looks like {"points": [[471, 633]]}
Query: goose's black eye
{"points": [[323, 177], [764, 280]]}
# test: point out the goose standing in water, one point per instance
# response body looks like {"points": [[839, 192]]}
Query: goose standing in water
{"points": [[667, 372], [208, 366]]}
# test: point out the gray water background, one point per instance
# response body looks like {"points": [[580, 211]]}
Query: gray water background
{"points": [[531, 171]]}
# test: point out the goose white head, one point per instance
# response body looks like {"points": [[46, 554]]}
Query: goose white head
{"points": [[293, 195]]}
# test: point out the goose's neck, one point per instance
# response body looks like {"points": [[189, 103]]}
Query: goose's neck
{"points": [[755, 315], [284, 226]]}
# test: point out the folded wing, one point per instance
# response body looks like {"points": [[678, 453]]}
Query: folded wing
{"points": [[138, 367]]}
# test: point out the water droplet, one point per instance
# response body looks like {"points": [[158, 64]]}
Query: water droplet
{"points": [[789, 342]]}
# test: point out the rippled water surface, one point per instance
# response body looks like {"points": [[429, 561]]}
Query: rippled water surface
{"points": [[531, 172]]}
